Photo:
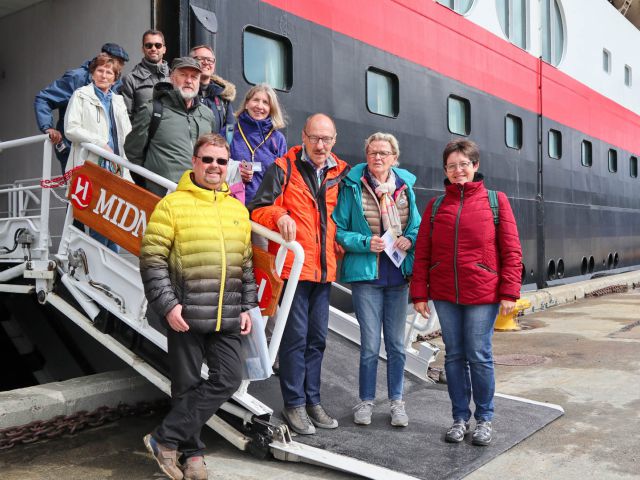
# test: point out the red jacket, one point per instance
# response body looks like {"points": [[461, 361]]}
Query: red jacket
{"points": [[467, 259], [309, 204]]}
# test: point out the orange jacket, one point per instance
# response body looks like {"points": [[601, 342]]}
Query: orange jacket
{"points": [[290, 187]]}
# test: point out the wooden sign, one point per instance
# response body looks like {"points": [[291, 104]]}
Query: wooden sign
{"points": [[111, 206], [269, 282], [120, 210]]}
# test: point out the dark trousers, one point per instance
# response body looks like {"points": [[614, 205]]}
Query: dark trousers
{"points": [[303, 343], [195, 400]]}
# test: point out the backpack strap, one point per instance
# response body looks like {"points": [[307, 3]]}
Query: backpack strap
{"points": [[493, 203], [434, 210], [156, 117]]}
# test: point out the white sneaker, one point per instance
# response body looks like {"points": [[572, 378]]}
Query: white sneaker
{"points": [[399, 417], [362, 412]]}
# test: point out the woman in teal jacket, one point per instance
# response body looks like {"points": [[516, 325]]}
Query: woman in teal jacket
{"points": [[378, 198]]}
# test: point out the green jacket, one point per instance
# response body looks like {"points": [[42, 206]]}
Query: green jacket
{"points": [[354, 234], [170, 149]]}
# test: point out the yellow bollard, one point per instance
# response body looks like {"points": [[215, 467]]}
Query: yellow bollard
{"points": [[508, 323]]}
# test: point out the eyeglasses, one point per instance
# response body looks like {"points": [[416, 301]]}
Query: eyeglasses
{"points": [[315, 139], [220, 161], [150, 45], [382, 155], [452, 167], [206, 60]]}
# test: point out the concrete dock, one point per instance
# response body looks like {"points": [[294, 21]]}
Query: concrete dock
{"points": [[584, 356]]}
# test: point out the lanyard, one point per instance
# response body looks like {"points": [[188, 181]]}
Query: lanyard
{"points": [[253, 150]]}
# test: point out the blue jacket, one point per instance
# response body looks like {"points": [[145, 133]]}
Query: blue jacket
{"points": [[256, 131], [218, 95], [56, 95], [354, 234]]}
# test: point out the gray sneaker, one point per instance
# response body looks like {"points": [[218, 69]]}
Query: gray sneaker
{"points": [[458, 430], [399, 417], [320, 418], [362, 412], [482, 434], [298, 420]]}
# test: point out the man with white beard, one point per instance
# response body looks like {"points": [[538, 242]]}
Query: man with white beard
{"points": [[166, 129]]}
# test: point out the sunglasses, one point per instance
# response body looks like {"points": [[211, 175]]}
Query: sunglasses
{"points": [[220, 161], [150, 45]]}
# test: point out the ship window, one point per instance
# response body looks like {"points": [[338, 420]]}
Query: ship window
{"points": [[633, 167], [627, 76], [459, 115], [613, 160], [555, 144], [513, 16], [267, 58], [586, 154], [606, 60], [513, 131], [460, 6], [382, 92], [552, 32]]}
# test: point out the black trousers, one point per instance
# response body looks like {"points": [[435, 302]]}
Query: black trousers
{"points": [[195, 400]]}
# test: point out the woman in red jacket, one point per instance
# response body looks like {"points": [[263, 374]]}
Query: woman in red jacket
{"points": [[469, 264]]}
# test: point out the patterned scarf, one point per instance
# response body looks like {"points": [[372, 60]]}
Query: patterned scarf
{"points": [[388, 209]]}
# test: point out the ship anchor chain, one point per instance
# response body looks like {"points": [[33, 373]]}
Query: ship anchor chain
{"points": [[70, 424]]}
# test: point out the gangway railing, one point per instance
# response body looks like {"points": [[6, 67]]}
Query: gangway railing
{"points": [[103, 282]]}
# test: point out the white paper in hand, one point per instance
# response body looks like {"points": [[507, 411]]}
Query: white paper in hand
{"points": [[395, 254]]}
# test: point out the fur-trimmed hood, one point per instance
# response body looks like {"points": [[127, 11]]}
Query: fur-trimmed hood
{"points": [[222, 88]]}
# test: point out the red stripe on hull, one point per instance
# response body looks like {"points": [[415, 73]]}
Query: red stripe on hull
{"points": [[447, 43]]}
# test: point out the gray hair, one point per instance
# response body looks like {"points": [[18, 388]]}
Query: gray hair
{"points": [[383, 137]]}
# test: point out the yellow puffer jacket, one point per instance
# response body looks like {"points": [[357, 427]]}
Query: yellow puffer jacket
{"points": [[196, 251]]}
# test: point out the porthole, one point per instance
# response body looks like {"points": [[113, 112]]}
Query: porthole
{"points": [[609, 260], [524, 274], [584, 265], [592, 264], [616, 259], [551, 270], [560, 269]]}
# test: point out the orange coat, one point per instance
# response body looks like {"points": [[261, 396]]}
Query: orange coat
{"points": [[290, 186]]}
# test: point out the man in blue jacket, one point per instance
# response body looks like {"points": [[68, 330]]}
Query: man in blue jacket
{"points": [[57, 94]]}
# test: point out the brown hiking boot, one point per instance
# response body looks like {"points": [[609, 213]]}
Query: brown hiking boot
{"points": [[165, 457], [195, 469]]}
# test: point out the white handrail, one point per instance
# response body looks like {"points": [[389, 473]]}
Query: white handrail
{"points": [[123, 162], [23, 141]]}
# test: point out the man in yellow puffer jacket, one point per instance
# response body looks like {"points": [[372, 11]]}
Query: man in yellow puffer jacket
{"points": [[196, 266]]}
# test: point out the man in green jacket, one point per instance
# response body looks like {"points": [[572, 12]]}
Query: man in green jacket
{"points": [[164, 131]]}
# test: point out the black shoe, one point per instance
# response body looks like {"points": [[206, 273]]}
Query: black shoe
{"points": [[298, 420], [483, 433], [320, 418], [458, 430]]}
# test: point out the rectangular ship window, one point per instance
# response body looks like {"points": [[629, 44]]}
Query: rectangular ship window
{"points": [[267, 58], [459, 115], [513, 131], [555, 144], [382, 92], [613, 160], [586, 153]]}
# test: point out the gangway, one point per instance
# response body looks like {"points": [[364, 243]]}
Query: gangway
{"points": [[104, 283]]}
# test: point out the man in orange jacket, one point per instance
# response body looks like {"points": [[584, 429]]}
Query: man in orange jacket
{"points": [[296, 198]]}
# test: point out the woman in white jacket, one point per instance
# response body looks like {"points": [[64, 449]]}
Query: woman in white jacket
{"points": [[97, 115]]}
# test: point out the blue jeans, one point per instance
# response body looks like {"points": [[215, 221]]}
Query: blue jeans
{"points": [[468, 361], [111, 245], [379, 308], [303, 343]]}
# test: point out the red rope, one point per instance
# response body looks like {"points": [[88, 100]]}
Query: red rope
{"points": [[56, 182]]}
